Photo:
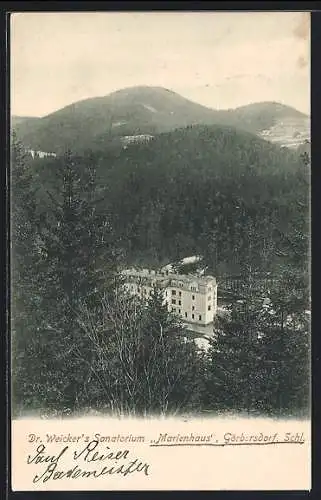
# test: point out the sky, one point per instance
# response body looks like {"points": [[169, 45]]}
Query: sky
{"points": [[220, 60]]}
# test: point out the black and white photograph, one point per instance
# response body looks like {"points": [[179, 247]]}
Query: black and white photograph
{"points": [[160, 227]]}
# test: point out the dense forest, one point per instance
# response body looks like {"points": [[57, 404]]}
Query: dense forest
{"points": [[197, 190], [79, 342]]}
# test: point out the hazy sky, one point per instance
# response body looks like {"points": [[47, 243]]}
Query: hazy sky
{"points": [[221, 60]]}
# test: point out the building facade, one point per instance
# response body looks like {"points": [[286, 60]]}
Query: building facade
{"points": [[193, 298]]}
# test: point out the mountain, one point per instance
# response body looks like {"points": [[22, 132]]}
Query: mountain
{"points": [[272, 121], [18, 120], [148, 111], [262, 115], [128, 112]]}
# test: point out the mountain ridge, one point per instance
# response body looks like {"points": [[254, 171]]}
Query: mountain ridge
{"points": [[142, 110], [261, 104]]}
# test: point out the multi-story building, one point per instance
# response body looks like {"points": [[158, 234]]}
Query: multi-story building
{"points": [[193, 298]]}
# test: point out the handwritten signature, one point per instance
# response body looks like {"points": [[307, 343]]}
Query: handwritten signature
{"points": [[118, 463]]}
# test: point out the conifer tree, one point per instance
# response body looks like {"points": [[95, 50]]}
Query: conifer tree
{"points": [[172, 358], [80, 267], [286, 347], [259, 356], [25, 297], [234, 377], [77, 266]]}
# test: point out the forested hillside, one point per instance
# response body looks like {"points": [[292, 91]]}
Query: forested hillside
{"points": [[198, 190]]}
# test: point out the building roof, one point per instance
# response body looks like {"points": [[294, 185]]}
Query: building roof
{"points": [[161, 276]]}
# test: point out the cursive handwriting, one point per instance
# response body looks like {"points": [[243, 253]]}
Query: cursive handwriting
{"points": [[88, 455], [41, 458], [119, 463]]}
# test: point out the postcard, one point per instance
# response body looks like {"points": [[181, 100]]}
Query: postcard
{"points": [[160, 238]]}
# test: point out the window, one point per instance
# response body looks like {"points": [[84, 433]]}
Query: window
{"points": [[193, 308], [193, 297], [173, 309], [185, 315], [173, 292], [209, 297], [179, 311], [165, 294], [179, 302], [209, 308], [180, 294], [192, 316], [193, 288], [209, 288], [173, 301], [150, 292], [200, 317]]}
